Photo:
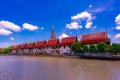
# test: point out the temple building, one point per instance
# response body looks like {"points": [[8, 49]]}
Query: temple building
{"points": [[39, 47], [95, 38], [59, 46], [52, 46], [65, 45]]}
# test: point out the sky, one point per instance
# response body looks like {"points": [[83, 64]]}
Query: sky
{"points": [[24, 21]]}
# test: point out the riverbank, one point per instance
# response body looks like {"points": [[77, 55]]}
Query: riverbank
{"points": [[43, 55], [96, 57]]}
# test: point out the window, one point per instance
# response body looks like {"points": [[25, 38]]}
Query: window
{"points": [[39, 47], [64, 46], [53, 47]]}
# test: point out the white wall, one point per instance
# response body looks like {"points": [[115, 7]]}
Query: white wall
{"points": [[64, 50], [13, 52]]}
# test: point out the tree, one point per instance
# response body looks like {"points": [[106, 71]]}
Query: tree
{"points": [[101, 47], [76, 47], [115, 48], [109, 48], [85, 48], [92, 48], [119, 48], [6, 50]]}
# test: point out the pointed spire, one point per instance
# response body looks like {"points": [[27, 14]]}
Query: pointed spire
{"points": [[52, 33]]}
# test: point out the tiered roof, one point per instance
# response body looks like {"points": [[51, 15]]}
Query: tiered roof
{"points": [[40, 44], [16, 47], [68, 40], [53, 42], [94, 38], [30, 45], [23, 46]]}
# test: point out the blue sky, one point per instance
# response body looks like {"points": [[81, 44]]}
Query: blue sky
{"points": [[24, 21]]}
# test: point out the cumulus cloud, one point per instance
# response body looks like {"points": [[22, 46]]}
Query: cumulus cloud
{"points": [[117, 19], [118, 27], [88, 25], [73, 25], [83, 16], [5, 32], [29, 27], [12, 38], [9, 25], [117, 35]]}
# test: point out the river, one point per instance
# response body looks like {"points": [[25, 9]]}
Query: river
{"points": [[54, 68]]}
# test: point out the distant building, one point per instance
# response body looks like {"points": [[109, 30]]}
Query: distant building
{"points": [[15, 49], [95, 38], [65, 45], [22, 49], [52, 46], [40, 47]]}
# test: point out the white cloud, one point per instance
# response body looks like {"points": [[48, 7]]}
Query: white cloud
{"points": [[117, 35], [9, 25], [117, 19], [84, 16], [29, 27], [118, 27], [5, 32], [73, 25], [12, 38], [63, 36], [88, 25]]}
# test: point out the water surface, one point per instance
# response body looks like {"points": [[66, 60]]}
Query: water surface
{"points": [[52, 68]]}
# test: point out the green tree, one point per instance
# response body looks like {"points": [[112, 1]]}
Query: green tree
{"points": [[76, 47], [119, 48], [85, 48], [109, 48], [6, 50], [101, 47], [115, 48], [92, 48]]}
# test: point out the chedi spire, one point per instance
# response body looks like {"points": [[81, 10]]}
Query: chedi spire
{"points": [[52, 33]]}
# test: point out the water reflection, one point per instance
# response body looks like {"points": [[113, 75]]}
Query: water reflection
{"points": [[49, 68]]}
